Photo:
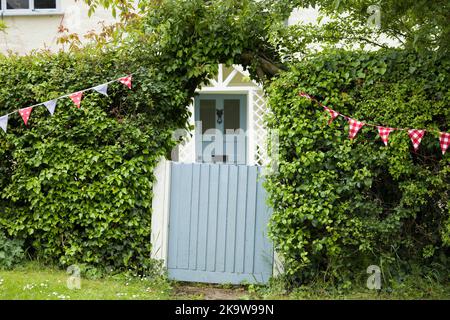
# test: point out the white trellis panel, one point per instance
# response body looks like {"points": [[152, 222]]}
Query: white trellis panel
{"points": [[261, 156], [257, 108]]}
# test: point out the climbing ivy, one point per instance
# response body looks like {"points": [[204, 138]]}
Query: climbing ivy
{"points": [[341, 205], [78, 185]]}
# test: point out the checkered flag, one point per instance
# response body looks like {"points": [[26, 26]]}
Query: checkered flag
{"points": [[384, 134], [305, 95], [355, 126], [444, 139], [416, 137], [332, 113]]}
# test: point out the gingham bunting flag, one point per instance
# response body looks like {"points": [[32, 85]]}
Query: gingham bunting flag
{"points": [[304, 95], [50, 105], [103, 89], [416, 137], [444, 139], [76, 98], [25, 113], [354, 128], [384, 134], [4, 123], [126, 81], [332, 113]]}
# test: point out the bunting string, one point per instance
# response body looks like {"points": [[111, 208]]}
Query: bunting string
{"points": [[76, 98], [415, 135]]}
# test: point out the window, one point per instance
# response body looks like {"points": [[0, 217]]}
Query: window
{"points": [[17, 4], [232, 115], [45, 4], [25, 7]]}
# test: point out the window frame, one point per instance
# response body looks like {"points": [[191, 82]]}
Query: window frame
{"points": [[30, 11]]}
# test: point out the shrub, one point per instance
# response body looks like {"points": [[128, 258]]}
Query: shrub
{"points": [[11, 252], [341, 205], [78, 185]]}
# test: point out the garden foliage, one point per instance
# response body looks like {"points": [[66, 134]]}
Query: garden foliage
{"points": [[78, 185], [11, 252], [341, 205]]}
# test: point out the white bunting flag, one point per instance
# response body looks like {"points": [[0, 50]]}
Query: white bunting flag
{"points": [[103, 89], [50, 105], [4, 122]]}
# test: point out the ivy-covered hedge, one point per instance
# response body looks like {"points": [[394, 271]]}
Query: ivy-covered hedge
{"points": [[78, 185], [341, 206]]}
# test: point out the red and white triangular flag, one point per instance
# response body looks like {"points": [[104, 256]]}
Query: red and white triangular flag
{"points": [[416, 137], [332, 113], [76, 98], [4, 123], [305, 95], [126, 81], [25, 113], [354, 128], [444, 139], [384, 134]]}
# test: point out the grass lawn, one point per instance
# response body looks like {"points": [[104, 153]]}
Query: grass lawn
{"points": [[35, 282]]}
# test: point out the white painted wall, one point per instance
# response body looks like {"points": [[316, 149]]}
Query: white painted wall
{"points": [[30, 31]]}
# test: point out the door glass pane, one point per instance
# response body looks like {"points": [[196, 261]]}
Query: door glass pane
{"points": [[45, 4], [232, 116], [208, 114], [17, 4]]}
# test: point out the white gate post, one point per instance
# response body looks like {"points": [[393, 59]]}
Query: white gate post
{"points": [[160, 212], [250, 128], [278, 267]]}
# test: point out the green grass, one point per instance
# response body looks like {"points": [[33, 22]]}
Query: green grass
{"points": [[35, 282], [412, 287], [40, 283]]}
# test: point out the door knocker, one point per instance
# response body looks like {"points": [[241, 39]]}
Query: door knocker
{"points": [[219, 113]]}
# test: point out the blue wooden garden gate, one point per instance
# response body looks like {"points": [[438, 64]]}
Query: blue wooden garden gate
{"points": [[218, 224]]}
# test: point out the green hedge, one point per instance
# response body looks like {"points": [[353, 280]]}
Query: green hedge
{"points": [[78, 185], [341, 206]]}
